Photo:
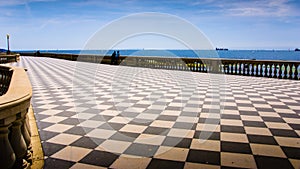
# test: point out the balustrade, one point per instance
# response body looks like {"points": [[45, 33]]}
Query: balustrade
{"points": [[259, 68], [15, 143]]}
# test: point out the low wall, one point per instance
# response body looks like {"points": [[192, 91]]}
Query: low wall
{"points": [[15, 143], [7, 58], [259, 68]]}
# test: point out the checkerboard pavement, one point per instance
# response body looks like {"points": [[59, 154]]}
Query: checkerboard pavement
{"points": [[102, 116]]}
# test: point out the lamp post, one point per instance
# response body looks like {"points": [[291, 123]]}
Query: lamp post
{"points": [[7, 37]]}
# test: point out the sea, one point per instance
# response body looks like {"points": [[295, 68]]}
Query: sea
{"points": [[284, 55]]}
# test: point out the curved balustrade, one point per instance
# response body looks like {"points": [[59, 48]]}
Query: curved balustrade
{"points": [[15, 143]]}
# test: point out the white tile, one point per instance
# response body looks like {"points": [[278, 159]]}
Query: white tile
{"points": [[91, 123], [84, 116], [58, 128], [150, 139], [101, 133], [237, 160], [114, 146], [71, 153], [64, 139], [133, 128], [54, 119], [181, 133]]}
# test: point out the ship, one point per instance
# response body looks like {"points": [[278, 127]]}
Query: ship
{"points": [[221, 49]]}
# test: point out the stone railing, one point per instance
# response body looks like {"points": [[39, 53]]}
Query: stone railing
{"points": [[15, 143], [6, 58], [259, 68]]}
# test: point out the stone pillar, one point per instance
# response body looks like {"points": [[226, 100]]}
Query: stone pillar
{"points": [[7, 155], [27, 139], [18, 144]]}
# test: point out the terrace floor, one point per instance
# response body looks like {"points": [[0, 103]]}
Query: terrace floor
{"points": [[102, 116]]}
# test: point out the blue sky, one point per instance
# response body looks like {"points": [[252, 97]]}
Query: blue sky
{"points": [[68, 24]]}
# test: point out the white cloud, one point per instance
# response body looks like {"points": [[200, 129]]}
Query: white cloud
{"points": [[277, 8], [20, 2]]}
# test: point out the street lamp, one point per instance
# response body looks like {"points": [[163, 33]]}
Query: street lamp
{"points": [[7, 37]]}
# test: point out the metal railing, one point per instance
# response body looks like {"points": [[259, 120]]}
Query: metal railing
{"points": [[15, 143]]}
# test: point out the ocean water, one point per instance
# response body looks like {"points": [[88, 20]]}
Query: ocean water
{"points": [[230, 54]]}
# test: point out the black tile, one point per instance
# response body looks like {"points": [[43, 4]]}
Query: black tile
{"points": [[192, 105], [292, 103], [262, 139], [173, 108], [230, 116], [144, 150], [124, 136], [128, 114], [280, 106], [177, 142], [209, 120], [288, 115], [51, 148], [182, 125], [99, 158], [264, 109], [273, 119], [259, 102], [90, 110], [111, 126], [165, 164], [167, 118], [87, 142], [272, 162], [152, 111], [254, 124], [230, 108], [156, 130], [232, 129], [248, 113], [206, 157], [78, 130], [292, 152], [66, 113], [212, 110], [46, 135], [70, 121], [57, 163], [98, 118], [189, 114], [141, 105], [244, 104], [212, 135], [42, 125], [106, 118], [62, 107], [41, 116], [143, 122], [235, 147], [295, 126], [284, 133]]}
